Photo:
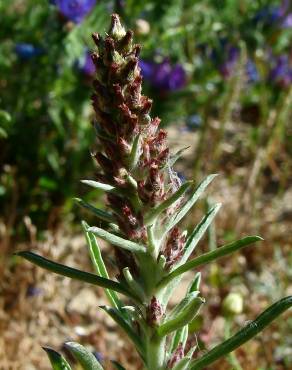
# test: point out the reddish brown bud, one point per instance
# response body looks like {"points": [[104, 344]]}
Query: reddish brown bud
{"points": [[177, 355], [154, 312]]}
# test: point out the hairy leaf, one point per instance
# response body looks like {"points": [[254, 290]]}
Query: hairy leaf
{"points": [[86, 359]]}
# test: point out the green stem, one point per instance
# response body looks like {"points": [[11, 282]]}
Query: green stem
{"points": [[155, 352]]}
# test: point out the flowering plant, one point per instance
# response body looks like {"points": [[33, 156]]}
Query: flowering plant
{"points": [[146, 201]]}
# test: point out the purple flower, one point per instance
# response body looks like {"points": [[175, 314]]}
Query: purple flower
{"points": [[251, 71], [227, 68], [194, 122], [281, 72], [164, 76], [287, 22], [75, 10], [87, 67], [27, 51]]}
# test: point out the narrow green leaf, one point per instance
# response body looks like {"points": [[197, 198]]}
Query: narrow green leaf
{"points": [[243, 335], [57, 361], [119, 319], [183, 317], [135, 153], [155, 212], [191, 243], [118, 366], [198, 232], [195, 284], [98, 185], [103, 215], [180, 336], [118, 241], [176, 156], [86, 359], [197, 192], [184, 363], [182, 304], [96, 258], [211, 256], [73, 273]]}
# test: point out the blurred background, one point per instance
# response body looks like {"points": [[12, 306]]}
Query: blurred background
{"points": [[220, 74]]}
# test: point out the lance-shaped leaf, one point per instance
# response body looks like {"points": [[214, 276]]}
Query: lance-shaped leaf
{"points": [[210, 256], [119, 319], [135, 153], [118, 366], [102, 215], [57, 361], [98, 185], [243, 335], [196, 193], [180, 336], [199, 231], [183, 317], [195, 284], [86, 359], [182, 304], [191, 243], [176, 156], [156, 211], [117, 240], [96, 258], [73, 273], [184, 363]]}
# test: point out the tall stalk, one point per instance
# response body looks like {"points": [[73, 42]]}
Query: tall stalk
{"points": [[146, 201]]}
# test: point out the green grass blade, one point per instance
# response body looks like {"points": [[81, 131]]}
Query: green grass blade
{"points": [[197, 192], [73, 273], [117, 240], [117, 365], [211, 256], [57, 361], [86, 359], [243, 335], [97, 260], [102, 215]]}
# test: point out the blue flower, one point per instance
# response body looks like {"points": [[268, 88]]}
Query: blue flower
{"points": [[194, 122], [281, 72], [163, 76], [87, 67], [251, 71], [75, 10], [27, 51]]}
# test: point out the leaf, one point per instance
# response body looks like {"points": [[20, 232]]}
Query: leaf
{"points": [[180, 336], [176, 156], [86, 359], [73, 273], [96, 258], [183, 364], [190, 202], [243, 335], [199, 231], [119, 319], [98, 185], [182, 304], [58, 362], [187, 314], [195, 284], [192, 241], [118, 241], [155, 212], [211, 256], [117, 365], [103, 215], [135, 153]]}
